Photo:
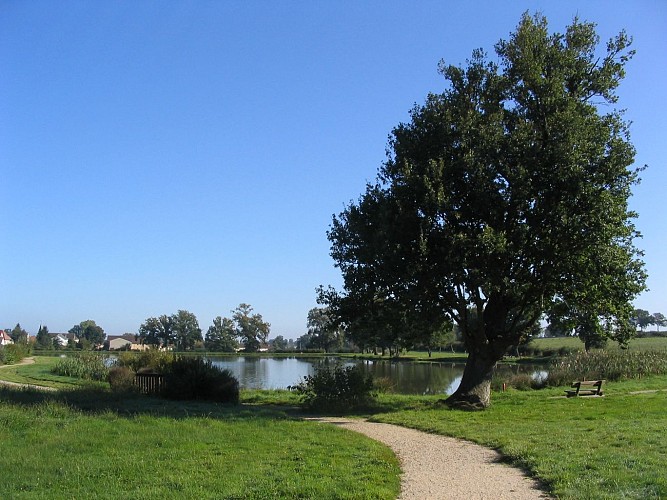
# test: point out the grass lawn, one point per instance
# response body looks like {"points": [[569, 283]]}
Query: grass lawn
{"points": [[89, 444], [610, 447]]}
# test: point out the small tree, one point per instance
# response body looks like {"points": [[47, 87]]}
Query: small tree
{"points": [[43, 340], [89, 334], [324, 332], [279, 343], [641, 318], [221, 336], [250, 328], [19, 335], [186, 330], [157, 331], [659, 320]]}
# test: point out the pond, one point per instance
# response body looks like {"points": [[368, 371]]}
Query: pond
{"points": [[405, 377]]}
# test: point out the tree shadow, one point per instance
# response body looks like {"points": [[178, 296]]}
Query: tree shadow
{"points": [[95, 401]]}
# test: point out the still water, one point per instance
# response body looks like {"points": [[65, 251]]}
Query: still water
{"points": [[406, 377]]}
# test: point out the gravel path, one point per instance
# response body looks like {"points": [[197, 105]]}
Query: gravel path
{"points": [[439, 467]]}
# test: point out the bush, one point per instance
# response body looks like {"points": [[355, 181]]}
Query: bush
{"points": [[337, 389], [609, 365], [13, 353], [85, 365], [196, 378], [121, 379], [151, 360]]}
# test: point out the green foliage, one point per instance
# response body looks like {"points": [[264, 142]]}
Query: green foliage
{"points": [[187, 377], [13, 353], [180, 330], [507, 193], [197, 378], [250, 328], [323, 332], [221, 336], [83, 365], [186, 330], [89, 334], [340, 388], [150, 360], [608, 365], [121, 379], [43, 340], [19, 335]]}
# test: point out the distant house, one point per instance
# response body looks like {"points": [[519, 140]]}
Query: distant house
{"points": [[123, 342], [62, 339], [5, 339]]}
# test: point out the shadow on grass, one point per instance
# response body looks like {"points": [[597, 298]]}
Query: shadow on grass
{"points": [[95, 401], [255, 405]]}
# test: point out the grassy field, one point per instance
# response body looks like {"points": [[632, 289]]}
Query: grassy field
{"points": [[610, 447], [87, 444]]}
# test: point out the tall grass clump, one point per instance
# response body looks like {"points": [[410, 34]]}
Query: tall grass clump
{"points": [[84, 365], [337, 389], [609, 365]]}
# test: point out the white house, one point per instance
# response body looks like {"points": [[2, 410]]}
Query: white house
{"points": [[5, 339]]}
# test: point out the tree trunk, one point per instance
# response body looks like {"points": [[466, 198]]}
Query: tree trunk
{"points": [[474, 392]]}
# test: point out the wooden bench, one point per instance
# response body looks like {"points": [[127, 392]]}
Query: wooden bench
{"points": [[586, 388]]}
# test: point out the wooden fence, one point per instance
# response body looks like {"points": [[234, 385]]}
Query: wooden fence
{"points": [[149, 383]]}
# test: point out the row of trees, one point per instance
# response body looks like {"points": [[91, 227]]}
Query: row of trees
{"points": [[87, 333], [182, 332], [641, 318]]}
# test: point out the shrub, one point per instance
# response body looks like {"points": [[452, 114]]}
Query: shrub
{"points": [[383, 385], [13, 353], [121, 379], [337, 389], [85, 365], [196, 378], [151, 360]]}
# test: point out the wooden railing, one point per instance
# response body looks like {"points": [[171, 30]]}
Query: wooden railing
{"points": [[149, 383]]}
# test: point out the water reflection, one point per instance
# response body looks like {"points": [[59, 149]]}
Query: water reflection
{"points": [[405, 377]]}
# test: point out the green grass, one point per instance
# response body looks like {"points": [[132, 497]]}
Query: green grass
{"points": [[610, 447], [91, 444]]}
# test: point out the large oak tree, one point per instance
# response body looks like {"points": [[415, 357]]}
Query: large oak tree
{"points": [[503, 199]]}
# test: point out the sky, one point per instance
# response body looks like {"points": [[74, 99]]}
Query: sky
{"points": [[190, 155]]}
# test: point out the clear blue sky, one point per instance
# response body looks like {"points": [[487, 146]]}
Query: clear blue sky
{"points": [[189, 155]]}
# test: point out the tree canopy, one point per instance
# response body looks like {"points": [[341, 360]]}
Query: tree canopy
{"points": [[505, 195], [221, 336], [250, 328], [89, 333]]}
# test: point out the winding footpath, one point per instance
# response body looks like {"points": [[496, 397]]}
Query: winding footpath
{"points": [[440, 467]]}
